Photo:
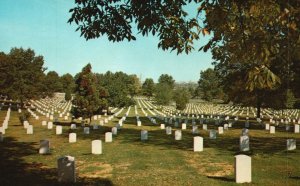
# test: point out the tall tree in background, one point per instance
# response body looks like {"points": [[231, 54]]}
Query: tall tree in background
{"points": [[87, 101], [68, 85], [119, 86], [181, 97], [148, 87], [164, 89], [134, 85], [163, 94], [209, 84], [22, 74], [53, 83], [167, 79]]}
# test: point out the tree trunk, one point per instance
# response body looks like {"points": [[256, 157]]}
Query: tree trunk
{"points": [[258, 104]]}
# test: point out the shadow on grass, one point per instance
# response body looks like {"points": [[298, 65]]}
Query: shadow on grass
{"points": [[15, 171], [295, 177], [221, 178]]}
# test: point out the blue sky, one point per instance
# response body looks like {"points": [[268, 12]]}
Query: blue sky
{"points": [[42, 26]]}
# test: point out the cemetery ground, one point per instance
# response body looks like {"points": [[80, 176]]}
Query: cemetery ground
{"points": [[158, 161]]}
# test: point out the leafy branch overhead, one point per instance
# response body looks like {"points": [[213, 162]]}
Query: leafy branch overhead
{"points": [[115, 18], [258, 27]]}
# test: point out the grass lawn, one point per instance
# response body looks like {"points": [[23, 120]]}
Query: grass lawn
{"points": [[159, 161]]}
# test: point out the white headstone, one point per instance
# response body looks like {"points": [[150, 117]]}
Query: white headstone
{"points": [[86, 130], [30, 129], [96, 147], [242, 169], [178, 135], [195, 130], [267, 126], [162, 126], [220, 130], [25, 123], [226, 126], [51, 117], [66, 118], [168, 130], [244, 143], [50, 125], [72, 138], [114, 130], [212, 134], [204, 126], [44, 123], [139, 123], [58, 129], [66, 169], [198, 144], [291, 144], [108, 137], [73, 126], [296, 129], [183, 126], [44, 147], [144, 135], [272, 129]]}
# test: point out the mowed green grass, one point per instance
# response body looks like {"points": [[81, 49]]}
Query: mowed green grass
{"points": [[159, 161]]}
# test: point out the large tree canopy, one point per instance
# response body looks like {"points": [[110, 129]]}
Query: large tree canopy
{"points": [[245, 36], [22, 74]]}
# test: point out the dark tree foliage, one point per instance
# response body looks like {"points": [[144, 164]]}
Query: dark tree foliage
{"points": [[210, 85], [115, 18], [22, 74], [53, 82], [120, 87], [68, 83], [148, 87], [181, 98], [89, 99], [166, 79], [163, 94]]}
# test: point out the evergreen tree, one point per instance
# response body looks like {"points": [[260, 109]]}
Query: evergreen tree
{"points": [[87, 100]]}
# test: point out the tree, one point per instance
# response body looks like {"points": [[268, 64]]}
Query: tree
{"points": [[148, 87], [134, 85], [209, 83], [260, 79], [119, 87], [87, 101], [68, 83], [166, 79], [181, 98], [163, 94], [68, 95], [22, 73], [53, 83]]}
